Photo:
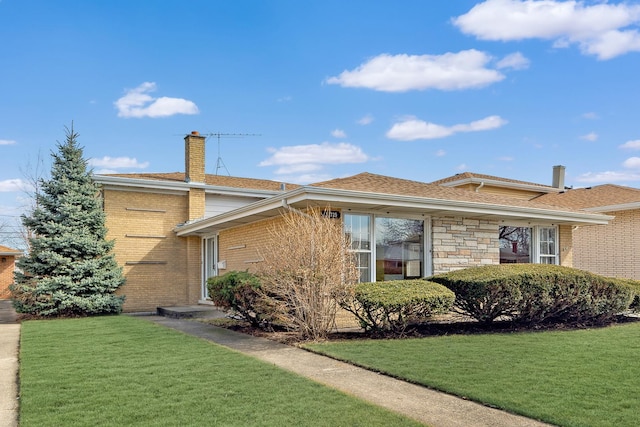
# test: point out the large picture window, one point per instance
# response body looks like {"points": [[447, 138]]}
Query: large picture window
{"points": [[398, 248]]}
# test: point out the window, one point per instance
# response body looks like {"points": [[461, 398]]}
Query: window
{"points": [[517, 245], [548, 245], [358, 230], [398, 251], [399, 248]]}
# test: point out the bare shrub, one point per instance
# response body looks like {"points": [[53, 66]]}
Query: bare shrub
{"points": [[307, 268]]}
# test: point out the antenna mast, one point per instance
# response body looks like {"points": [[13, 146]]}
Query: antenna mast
{"points": [[219, 162]]}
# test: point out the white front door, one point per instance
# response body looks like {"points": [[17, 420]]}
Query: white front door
{"points": [[210, 265]]}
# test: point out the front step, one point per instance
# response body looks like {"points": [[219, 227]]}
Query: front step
{"points": [[191, 311]]}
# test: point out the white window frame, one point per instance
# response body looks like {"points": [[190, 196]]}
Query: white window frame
{"points": [[427, 260]]}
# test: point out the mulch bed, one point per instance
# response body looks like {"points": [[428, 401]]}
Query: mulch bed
{"points": [[445, 325]]}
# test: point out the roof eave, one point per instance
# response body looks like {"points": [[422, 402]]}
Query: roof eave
{"points": [[118, 181], [615, 208], [498, 183], [266, 208]]}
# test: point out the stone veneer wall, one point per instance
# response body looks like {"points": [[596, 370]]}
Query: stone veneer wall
{"points": [[463, 242]]}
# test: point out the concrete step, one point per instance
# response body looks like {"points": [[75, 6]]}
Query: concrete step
{"points": [[191, 311]]}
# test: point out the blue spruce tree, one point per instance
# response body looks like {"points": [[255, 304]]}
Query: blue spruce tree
{"points": [[70, 269]]}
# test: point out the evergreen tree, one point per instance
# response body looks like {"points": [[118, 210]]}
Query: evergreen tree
{"points": [[70, 269]]}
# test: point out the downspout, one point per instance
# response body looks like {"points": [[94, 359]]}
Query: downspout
{"points": [[479, 187]]}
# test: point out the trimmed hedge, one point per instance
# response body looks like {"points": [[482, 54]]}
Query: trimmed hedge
{"points": [[393, 305], [635, 288], [238, 290], [536, 293]]}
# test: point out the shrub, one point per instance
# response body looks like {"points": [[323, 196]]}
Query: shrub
{"points": [[305, 273], [634, 285], [392, 306], [484, 293], [536, 293], [238, 290]]}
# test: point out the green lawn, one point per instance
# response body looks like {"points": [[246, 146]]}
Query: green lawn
{"points": [[120, 370], [569, 378]]}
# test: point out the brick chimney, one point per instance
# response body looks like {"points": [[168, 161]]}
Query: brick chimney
{"points": [[194, 173], [194, 157], [558, 177]]}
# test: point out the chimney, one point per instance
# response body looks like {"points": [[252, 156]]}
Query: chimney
{"points": [[558, 177], [194, 157]]}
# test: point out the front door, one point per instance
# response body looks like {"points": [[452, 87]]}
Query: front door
{"points": [[210, 263]]}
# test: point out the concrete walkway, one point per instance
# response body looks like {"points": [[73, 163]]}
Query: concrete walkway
{"points": [[427, 406], [9, 342]]}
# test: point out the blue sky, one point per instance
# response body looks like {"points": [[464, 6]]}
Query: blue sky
{"points": [[412, 89]]}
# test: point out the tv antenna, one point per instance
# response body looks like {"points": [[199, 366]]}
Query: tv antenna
{"points": [[218, 135]]}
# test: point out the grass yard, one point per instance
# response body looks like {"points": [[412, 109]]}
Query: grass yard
{"points": [[568, 378], [121, 370]]}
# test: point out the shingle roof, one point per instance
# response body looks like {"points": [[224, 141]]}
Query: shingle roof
{"points": [[215, 180], [372, 183], [592, 197], [479, 176]]}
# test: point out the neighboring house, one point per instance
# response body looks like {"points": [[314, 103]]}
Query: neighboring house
{"points": [[7, 267], [173, 231], [612, 249]]}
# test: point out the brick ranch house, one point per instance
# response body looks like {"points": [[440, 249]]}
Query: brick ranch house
{"points": [[174, 230], [7, 267]]}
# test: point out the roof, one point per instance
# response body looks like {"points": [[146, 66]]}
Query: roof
{"points": [[471, 177], [372, 183], [601, 198], [386, 195], [214, 180], [4, 250]]}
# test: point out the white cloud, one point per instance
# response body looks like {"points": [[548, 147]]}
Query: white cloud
{"points": [[608, 177], [285, 99], [590, 116], [515, 61], [400, 73], [591, 136], [365, 120], [441, 153], [412, 128], [338, 133], [7, 142], [632, 163], [506, 158], [631, 145], [598, 29], [461, 167], [316, 154], [138, 103], [118, 163], [304, 163], [11, 185]]}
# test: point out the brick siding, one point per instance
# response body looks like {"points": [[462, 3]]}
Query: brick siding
{"points": [[6, 275], [611, 250], [160, 268]]}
